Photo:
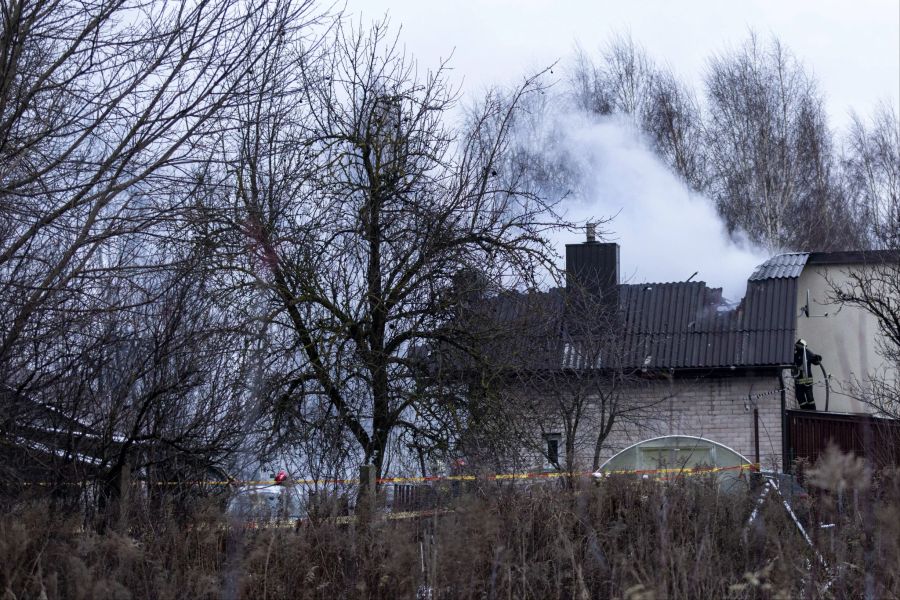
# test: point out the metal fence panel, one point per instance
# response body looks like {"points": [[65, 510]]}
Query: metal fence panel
{"points": [[809, 434]]}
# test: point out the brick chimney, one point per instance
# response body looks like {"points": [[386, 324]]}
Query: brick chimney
{"points": [[594, 267]]}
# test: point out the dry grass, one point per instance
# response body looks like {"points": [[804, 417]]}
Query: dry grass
{"points": [[622, 539]]}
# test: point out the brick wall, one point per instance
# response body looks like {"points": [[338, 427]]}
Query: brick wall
{"points": [[716, 408]]}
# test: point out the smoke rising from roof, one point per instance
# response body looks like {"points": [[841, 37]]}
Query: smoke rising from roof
{"points": [[666, 231]]}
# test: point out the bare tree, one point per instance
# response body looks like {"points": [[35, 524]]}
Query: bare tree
{"points": [[770, 155], [104, 109], [113, 346], [622, 82], [671, 118], [625, 81], [561, 378], [150, 389], [163, 385], [360, 205], [871, 168]]}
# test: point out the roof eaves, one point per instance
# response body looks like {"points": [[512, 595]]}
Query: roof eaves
{"points": [[854, 257]]}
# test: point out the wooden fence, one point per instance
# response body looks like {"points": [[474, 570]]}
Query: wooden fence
{"points": [[808, 434]]}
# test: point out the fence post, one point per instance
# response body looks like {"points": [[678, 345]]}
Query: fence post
{"points": [[123, 498], [756, 438], [365, 502]]}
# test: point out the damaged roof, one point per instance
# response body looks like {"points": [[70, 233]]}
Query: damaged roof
{"points": [[686, 325], [680, 325]]}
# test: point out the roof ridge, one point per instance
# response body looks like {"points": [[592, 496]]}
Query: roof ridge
{"points": [[787, 265], [652, 283]]}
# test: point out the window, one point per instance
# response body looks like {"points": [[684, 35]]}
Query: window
{"points": [[552, 448]]}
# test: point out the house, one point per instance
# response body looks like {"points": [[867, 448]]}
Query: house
{"points": [[42, 447], [698, 366], [849, 334]]}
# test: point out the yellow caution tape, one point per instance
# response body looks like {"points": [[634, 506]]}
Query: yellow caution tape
{"points": [[685, 470], [438, 478]]}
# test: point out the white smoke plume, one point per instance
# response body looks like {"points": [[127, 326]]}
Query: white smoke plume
{"points": [[666, 232]]}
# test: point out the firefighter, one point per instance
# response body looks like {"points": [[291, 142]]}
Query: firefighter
{"points": [[803, 382]]}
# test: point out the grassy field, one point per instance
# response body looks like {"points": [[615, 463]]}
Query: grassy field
{"points": [[624, 538]]}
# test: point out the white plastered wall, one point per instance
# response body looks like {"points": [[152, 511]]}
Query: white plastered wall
{"points": [[846, 337]]}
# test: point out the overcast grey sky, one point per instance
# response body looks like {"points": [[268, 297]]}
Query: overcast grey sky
{"points": [[852, 47]]}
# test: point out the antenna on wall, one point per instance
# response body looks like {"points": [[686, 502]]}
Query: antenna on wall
{"points": [[805, 309]]}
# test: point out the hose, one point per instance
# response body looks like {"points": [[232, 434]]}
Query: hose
{"points": [[827, 386]]}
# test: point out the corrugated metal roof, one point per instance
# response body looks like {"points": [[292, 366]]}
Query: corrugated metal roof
{"points": [[686, 325], [782, 265], [682, 325]]}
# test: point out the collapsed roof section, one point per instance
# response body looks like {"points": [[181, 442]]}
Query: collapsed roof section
{"points": [[686, 325], [657, 326]]}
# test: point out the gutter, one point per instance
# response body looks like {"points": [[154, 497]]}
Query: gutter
{"points": [[785, 442]]}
